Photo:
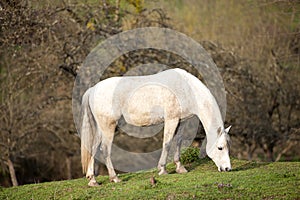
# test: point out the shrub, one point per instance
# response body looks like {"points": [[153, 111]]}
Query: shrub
{"points": [[189, 155]]}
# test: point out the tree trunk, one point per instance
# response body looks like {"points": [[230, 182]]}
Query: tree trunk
{"points": [[250, 151], [270, 155], [286, 149], [203, 153], [68, 166], [12, 172]]}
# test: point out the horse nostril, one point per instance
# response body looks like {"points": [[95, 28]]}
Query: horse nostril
{"points": [[227, 169]]}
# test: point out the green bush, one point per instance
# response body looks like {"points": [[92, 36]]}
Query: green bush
{"points": [[189, 155]]}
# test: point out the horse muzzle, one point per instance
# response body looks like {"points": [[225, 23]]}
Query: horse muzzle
{"points": [[224, 169]]}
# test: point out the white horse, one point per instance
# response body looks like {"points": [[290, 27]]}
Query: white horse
{"points": [[169, 96]]}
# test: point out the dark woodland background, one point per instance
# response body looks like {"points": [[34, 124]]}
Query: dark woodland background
{"points": [[255, 44]]}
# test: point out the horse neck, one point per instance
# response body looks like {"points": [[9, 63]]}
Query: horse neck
{"points": [[207, 111], [212, 124]]}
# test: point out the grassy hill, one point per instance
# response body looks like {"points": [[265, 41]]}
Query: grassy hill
{"points": [[248, 180]]}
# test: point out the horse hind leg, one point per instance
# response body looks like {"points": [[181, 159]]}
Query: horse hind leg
{"points": [[178, 139], [169, 130], [107, 139], [91, 173]]}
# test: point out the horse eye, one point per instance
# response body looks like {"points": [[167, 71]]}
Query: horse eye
{"points": [[220, 148]]}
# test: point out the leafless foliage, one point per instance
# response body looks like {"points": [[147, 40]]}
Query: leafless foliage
{"points": [[41, 49], [43, 46]]}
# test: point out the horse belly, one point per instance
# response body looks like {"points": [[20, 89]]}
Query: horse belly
{"points": [[150, 104], [143, 118]]}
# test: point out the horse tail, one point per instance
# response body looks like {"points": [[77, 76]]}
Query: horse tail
{"points": [[87, 132]]}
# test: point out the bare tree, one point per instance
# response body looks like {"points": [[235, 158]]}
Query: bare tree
{"points": [[41, 49]]}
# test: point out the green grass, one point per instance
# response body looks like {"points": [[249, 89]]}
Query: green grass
{"points": [[248, 180]]}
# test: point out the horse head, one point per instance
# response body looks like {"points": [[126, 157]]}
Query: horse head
{"points": [[219, 152]]}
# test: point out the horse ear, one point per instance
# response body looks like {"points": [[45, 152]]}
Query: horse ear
{"points": [[227, 129]]}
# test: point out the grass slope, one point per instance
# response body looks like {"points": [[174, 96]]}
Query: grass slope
{"points": [[248, 180]]}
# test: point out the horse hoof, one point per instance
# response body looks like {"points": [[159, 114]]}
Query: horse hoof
{"points": [[181, 170], [93, 183], [115, 179], [162, 172]]}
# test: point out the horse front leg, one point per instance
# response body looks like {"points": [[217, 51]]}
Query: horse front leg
{"points": [[169, 130], [178, 138]]}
